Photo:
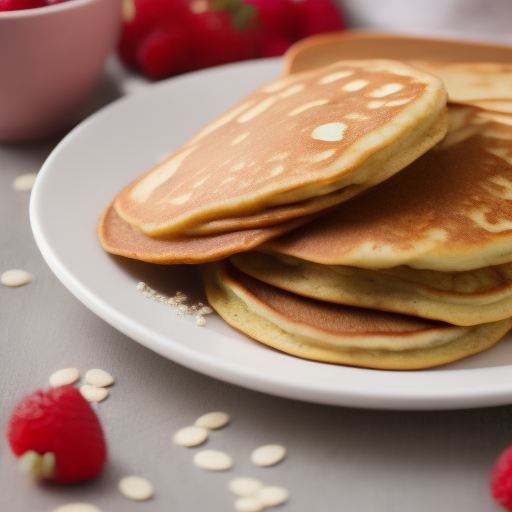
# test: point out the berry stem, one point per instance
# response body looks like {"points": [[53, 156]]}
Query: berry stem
{"points": [[37, 467]]}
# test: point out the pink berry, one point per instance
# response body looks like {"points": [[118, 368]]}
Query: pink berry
{"points": [[164, 53], [501, 479], [60, 422], [20, 5]]}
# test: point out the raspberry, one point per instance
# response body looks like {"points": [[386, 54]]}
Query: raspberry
{"points": [[20, 5], [315, 17], [142, 19], [501, 479], [163, 53], [283, 22], [218, 40], [59, 422], [167, 37], [276, 24]]}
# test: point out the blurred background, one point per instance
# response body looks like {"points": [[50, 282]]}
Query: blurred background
{"points": [[165, 37]]}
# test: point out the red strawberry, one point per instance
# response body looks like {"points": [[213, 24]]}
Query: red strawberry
{"points": [[59, 422]]}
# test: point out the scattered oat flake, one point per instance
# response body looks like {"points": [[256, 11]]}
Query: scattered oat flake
{"points": [[213, 420], [271, 496], [93, 394], [248, 504], [99, 378], [244, 486], [24, 182], [136, 488], [213, 460], [190, 436], [77, 507], [64, 377], [268, 455], [15, 278]]}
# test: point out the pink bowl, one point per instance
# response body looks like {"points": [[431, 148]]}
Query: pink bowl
{"points": [[50, 59]]}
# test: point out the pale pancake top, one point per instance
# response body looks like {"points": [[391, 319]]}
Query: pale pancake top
{"points": [[470, 81], [450, 210], [296, 138]]}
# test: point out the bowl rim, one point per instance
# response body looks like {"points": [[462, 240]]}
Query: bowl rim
{"points": [[47, 9]]}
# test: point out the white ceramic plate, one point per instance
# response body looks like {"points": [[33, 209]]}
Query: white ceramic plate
{"points": [[119, 143]]}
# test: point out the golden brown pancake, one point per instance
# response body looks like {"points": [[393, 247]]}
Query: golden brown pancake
{"points": [[283, 213], [450, 210], [120, 238], [324, 49], [500, 106], [336, 130], [470, 82], [461, 298], [334, 333]]}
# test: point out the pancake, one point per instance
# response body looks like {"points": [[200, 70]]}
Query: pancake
{"points": [[299, 138], [333, 333], [122, 239], [500, 106], [450, 210], [461, 298], [474, 81], [278, 214], [324, 49]]}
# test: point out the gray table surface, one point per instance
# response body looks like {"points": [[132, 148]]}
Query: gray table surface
{"points": [[338, 458]]}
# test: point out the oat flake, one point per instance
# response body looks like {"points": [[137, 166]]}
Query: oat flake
{"points": [[136, 488], [99, 378], [271, 496], [24, 182], [249, 504], [64, 377], [244, 486], [16, 278], [190, 436], [93, 394], [77, 507], [213, 420], [213, 460], [268, 455]]}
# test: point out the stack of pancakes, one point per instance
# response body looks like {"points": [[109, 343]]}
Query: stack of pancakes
{"points": [[288, 151], [330, 252]]}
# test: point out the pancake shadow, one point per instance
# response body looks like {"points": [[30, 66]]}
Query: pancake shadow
{"points": [[166, 279]]}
